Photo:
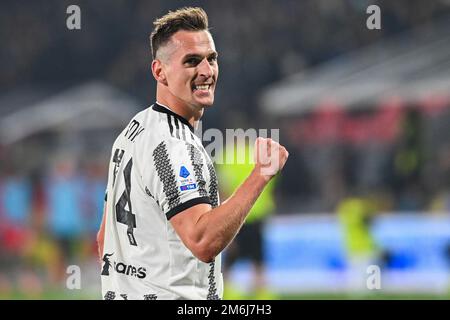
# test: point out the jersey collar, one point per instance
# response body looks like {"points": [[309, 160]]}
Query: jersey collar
{"points": [[160, 108]]}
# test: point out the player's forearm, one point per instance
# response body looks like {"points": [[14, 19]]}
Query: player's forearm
{"points": [[218, 227]]}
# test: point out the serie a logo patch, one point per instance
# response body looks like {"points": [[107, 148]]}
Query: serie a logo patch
{"points": [[186, 183], [184, 173]]}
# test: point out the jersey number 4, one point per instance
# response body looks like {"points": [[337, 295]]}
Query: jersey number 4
{"points": [[126, 216]]}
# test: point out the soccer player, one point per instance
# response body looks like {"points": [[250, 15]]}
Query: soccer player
{"points": [[163, 226]]}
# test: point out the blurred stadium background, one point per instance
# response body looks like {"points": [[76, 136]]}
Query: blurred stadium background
{"points": [[364, 113]]}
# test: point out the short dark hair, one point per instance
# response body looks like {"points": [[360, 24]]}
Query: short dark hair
{"points": [[187, 18]]}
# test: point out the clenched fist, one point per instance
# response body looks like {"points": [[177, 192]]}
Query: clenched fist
{"points": [[270, 157]]}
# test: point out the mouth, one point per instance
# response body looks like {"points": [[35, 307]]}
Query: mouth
{"points": [[202, 87]]}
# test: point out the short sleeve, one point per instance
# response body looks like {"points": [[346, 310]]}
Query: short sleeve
{"points": [[178, 179]]}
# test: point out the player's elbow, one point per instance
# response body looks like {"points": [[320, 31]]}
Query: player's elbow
{"points": [[206, 257]]}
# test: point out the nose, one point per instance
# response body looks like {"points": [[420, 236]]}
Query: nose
{"points": [[205, 69]]}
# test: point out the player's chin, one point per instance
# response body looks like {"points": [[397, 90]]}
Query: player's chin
{"points": [[205, 101]]}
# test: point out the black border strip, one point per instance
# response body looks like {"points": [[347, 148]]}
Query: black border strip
{"points": [[186, 205]]}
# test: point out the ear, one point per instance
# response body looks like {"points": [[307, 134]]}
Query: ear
{"points": [[158, 71]]}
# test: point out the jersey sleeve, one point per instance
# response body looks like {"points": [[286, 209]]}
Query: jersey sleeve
{"points": [[178, 178]]}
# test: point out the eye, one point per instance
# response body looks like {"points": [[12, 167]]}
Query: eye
{"points": [[212, 59], [192, 61]]}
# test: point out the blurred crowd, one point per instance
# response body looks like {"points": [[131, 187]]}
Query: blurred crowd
{"points": [[398, 157], [48, 221], [257, 43]]}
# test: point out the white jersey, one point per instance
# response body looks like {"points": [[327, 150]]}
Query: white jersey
{"points": [[158, 168]]}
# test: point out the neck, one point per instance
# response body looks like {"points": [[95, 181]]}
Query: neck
{"points": [[191, 113]]}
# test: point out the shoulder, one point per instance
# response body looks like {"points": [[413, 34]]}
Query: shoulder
{"points": [[147, 129], [160, 132]]}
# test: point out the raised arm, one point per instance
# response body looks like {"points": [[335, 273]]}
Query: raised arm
{"points": [[206, 231]]}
